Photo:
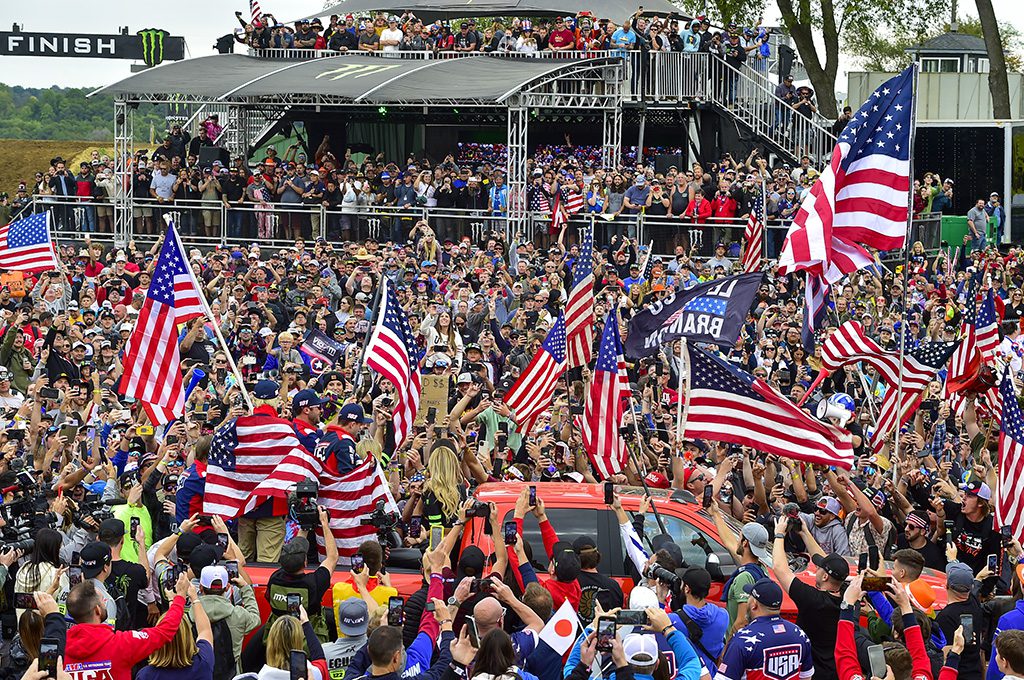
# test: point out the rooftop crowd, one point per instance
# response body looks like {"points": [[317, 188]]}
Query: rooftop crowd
{"points": [[122, 575]]}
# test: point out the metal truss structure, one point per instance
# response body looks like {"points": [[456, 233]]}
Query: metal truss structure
{"points": [[593, 87]]}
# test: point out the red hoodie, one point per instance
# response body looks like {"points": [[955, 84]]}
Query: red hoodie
{"points": [[95, 651], [848, 665]]}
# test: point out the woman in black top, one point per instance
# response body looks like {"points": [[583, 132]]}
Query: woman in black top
{"points": [[660, 201]]}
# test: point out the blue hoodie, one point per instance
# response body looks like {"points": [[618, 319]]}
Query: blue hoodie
{"points": [[1011, 620], [714, 622]]}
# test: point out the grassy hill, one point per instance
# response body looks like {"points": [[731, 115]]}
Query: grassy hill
{"points": [[20, 159]]}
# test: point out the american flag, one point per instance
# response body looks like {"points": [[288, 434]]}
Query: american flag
{"points": [[25, 245], [861, 198], [254, 7], [244, 453], [152, 365], [574, 199], [1010, 494], [579, 310], [919, 368], [968, 358], [816, 291], [727, 404], [988, 327], [753, 237], [558, 216], [391, 352], [602, 414], [531, 394], [849, 344], [647, 268]]}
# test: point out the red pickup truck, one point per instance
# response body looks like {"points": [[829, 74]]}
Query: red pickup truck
{"points": [[579, 509]]}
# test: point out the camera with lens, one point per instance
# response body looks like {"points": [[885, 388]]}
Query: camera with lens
{"points": [[381, 519], [92, 507], [479, 509], [792, 513], [302, 504], [26, 513]]}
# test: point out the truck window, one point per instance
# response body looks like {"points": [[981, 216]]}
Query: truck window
{"points": [[569, 523], [682, 532]]}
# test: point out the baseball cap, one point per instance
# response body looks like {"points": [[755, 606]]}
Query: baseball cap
{"points": [[757, 536], [465, 378], [203, 555], [765, 591], [353, 617], [111, 530], [833, 564], [642, 597], [656, 480], [640, 649], [698, 578], [584, 544], [978, 488], [353, 413], [640, 180], [293, 554], [304, 398], [95, 556], [213, 574], [186, 544], [665, 542], [266, 389], [830, 504], [959, 577]]}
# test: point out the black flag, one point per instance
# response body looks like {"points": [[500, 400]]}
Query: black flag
{"points": [[711, 312]]}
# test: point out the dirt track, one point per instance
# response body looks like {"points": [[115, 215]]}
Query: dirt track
{"points": [[20, 159]]}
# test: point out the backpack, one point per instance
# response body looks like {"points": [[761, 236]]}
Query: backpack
{"points": [[123, 618], [753, 569], [224, 667]]}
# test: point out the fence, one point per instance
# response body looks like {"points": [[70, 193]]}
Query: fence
{"points": [[212, 223]]}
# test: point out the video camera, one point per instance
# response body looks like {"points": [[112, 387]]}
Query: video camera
{"points": [[302, 504], [384, 521], [93, 507], [792, 513], [26, 514]]}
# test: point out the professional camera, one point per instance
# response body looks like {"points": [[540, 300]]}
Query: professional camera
{"points": [[792, 513], [384, 521], [479, 509], [654, 572], [302, 505], [26, 514], [92, 507]]}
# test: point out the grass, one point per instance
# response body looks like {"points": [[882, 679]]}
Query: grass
{"points": [[20, 159]]}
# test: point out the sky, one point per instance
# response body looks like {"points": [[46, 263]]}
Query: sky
{"points": [[202, 22]]}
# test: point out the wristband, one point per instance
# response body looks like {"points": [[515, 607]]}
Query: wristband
{"points": [[778, 536], [666, 631], [458, 669]]}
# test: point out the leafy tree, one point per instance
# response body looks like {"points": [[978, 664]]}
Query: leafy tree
{"points": [[67, 113]]}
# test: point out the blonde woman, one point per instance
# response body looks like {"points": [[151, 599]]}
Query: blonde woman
{"points": [[287, 634], [187, 656], [445, 491]]}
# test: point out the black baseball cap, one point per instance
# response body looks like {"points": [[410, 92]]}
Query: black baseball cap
{"points": [[833, 564], [95, 556]]}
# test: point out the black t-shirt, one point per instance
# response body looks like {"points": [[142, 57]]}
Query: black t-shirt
{"points": [[948, 620], [599, 587], [818, 616], [934, 555], [130, 578], [975, 541], [735, 55], [316, 582]]}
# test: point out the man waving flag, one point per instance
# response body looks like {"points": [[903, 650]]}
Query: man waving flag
{"points": [[152, 364]]}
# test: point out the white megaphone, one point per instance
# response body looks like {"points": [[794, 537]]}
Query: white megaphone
{"points": [[839, 406]]}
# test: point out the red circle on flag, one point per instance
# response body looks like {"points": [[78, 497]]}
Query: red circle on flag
{"points": [[563, 628]]}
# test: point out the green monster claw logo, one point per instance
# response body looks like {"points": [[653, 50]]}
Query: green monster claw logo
{"points": [[152, 45]]}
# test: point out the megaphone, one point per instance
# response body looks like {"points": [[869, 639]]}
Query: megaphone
{"points": [[197, 375], [840, 406]]}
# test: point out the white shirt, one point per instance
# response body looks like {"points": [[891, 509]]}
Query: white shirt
{"points": [[1012, 351], [163, 186], [388, 34]]}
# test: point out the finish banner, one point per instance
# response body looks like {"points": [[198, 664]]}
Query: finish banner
{"points": [[151, 45]]}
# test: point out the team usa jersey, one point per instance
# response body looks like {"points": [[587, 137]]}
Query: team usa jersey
{"points": [[768, 648]]}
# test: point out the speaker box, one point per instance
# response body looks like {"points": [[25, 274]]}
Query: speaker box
{"points": [[663, 161], [209, 154]]}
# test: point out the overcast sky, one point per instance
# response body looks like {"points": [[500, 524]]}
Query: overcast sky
{"points": [[202, 22]]}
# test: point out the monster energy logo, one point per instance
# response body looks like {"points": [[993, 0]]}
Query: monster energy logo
{"points": [[152, 45]]}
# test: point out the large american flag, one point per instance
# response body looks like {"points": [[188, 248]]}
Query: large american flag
{"points": [[531, 394], [753, 236], [1010, 494], [849, 344], [574, 199], [391, 352], [920, 365], [26, 245], [152, 364], [243, 455], [861, 198], [602, 414], [727, 404], [579, 310], [254, 8], [979, 339], [558, 217]]}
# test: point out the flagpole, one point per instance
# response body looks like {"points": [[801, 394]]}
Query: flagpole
{"points": [[906, 266], [765, 234], [379, 296], [213, 322], [680, 371]]}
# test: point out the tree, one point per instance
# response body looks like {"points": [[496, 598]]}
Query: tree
{"points": [[722, 12], [998, 83], [837, 20]]}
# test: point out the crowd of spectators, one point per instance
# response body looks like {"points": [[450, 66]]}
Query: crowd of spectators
{"points": [[125, 577]]}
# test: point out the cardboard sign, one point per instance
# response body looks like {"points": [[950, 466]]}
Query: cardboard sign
{"points": [[15, 281], [434, 395]]}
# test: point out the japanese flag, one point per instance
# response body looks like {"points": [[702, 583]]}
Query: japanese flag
{"points": [[561, 630]]}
